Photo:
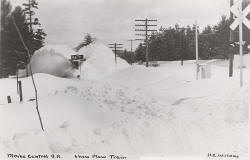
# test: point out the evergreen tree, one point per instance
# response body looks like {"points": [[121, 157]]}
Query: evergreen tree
{"points": [[4, 46], [126, 55], [38, 35], [29, 11], [207, 43], [88, 39], [140, 53], [12, 51]]}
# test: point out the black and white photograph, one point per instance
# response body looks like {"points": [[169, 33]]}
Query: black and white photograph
{"points": [[124, 80]]}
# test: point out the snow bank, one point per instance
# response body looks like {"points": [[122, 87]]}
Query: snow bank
{"points": [[136, 110], [100, 60], [246, 60], [52, 59]]}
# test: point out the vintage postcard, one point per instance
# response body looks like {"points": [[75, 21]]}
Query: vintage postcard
{"points": [[124, 80]]}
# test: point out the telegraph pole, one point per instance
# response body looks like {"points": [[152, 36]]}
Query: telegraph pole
{"points": [[231, 41], [241, 17], [131, 44], [115, 48], [131, 49], [196, 49], [183, 33], [146, 30], [241, 43]]}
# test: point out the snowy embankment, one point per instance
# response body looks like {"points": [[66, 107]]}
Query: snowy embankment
{"points": [[129, 111], [100, 61], [51, 59], [54, 60]]}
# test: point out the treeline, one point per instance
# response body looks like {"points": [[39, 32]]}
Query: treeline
{"points": [[178, 43], [12, 52]]}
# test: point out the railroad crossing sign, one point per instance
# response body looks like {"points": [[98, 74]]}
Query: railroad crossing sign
{"points": [[241, 15], [241, 19]]}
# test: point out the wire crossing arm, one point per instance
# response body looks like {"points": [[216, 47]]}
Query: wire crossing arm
{"points": [[115, 48], [146, 31]]}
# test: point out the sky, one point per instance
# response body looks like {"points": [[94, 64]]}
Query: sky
{"points": [[68, 21]]}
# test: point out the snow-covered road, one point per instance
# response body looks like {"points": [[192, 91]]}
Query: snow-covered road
{"points": [[134, 111]]}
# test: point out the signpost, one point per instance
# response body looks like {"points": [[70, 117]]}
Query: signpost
{"points": [[241, 19]]}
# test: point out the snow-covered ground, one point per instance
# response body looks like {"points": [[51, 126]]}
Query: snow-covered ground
{"points": [[129, 110]]}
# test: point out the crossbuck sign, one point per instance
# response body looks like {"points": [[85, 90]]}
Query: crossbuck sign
{"points": [[241, 19], [241, 16]]}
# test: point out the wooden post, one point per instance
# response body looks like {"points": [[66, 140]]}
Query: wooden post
{"points": [[131, 51], [9, 99], [147, 58], [182, 44], [115, 55], [146, 30], [115, 48], [196, 49], [17, 82], [231, 41], [241, 44], [20, 91], [79, 63]]}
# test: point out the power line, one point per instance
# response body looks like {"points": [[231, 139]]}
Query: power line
{"points": [[115, 48], [131, 44], [145, 29], [131, 49]]}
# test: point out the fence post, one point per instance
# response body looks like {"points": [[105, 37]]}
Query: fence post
{"points": [[17, 82], [9, 99], [20, 91]]}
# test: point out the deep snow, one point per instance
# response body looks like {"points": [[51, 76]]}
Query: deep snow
{"points": [[131, 110], [54, 60], [100, 61], [51, 59]]}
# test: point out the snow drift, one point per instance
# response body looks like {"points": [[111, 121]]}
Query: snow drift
{"points": [[100, 60], [167, 112], [52, 59], [246, 60]]}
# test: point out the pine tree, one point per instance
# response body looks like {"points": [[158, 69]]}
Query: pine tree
{"points": [[12, 51], [38, 35], [4, 46], [32, 4], [88, 39], [17, 47]]}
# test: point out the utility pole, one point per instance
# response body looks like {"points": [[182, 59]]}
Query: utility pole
{"points": [[241, 43], [241, 17], [196, 50], [146, 30], [115, 48], [131, 49], [183, 34], [131, 44], [231, 46]]}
